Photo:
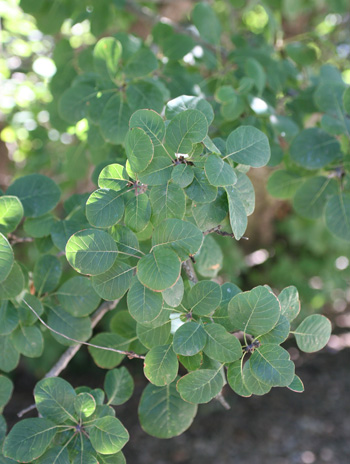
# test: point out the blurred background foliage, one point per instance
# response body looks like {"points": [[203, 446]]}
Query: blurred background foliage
{"points": [[45, 44]]}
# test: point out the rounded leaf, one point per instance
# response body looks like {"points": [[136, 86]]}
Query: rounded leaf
{"points": [[271, 365], [6, 257], [38, 194], [313, 333], [248, 145], [108, 435], [113, 283], [221, 345], [161, 365], [160, 269], [11, 213], [163, 413], [144, 305], [91, 251], [77, 296], [218, 172], [189, 339], [337, 214], [139, 149], [200, 386], [118, 385], [104, 208], [204, 297], [255, 312]]}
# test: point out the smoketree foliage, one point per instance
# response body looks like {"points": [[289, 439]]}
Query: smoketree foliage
{"points": [[162, 134]]}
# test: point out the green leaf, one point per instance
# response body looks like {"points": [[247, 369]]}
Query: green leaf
{"points": [[114, 120], [183, 237], [182, 175], [220, 316], [161, 365], [313, 148], [246, 192], [126, 241], [189, 339], [209, 215], [113, 176], [84, 405], [251, 383], [200, 189], [107, 53], [113, 283], [137, 212], [235, 379], [221, 345], [160, 269], [296, 385], [152, 123], [210, 258], [104, 208], [173, 295], [290, 303], [191, 363], [255, 71], [74, 102], [162, 412], [78, 328], [13, 284], [346, 100], [200, 386], [39, 226], [218, 172], [158, 172], [9, 317], [108, 435], [54, 455], [237, 212], [337, 214], [47, 274], [108, 359], [204, 297], [248, 145], [54, 399], [28, 341], [10, 356], [145, 94], [311, 197], [38, 194], [283, 184], [186, 129], [207, 23], [6, 258], [11, 213], [77, 297], [6, 388], [144, 305], [91, 251], [313, 333], [279, 333], [151, 336], [271, 365], [141, 63], [61, 231], [29, 439], [123, 324], [167, 201], [301, 53], [118, 385], [255, 312], [177, 45], [186, 102], [139, 149]]}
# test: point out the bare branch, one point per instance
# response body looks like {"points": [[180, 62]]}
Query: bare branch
{"points": [[220, 398], [13, 239], [217, 230]]}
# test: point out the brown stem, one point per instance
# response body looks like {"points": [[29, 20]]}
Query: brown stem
{"points": [[187, 266]]}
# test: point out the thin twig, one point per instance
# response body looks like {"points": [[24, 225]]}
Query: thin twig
{"points": [[13, 239], [68, 355], [220, 398], [217, 230]]}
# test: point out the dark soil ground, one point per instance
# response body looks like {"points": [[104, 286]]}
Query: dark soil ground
{"points": [[280, 428]]}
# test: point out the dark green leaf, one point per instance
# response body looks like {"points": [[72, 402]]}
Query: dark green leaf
{"points": [[104, 208], [29, 439], [160, 269], [137, 212], [54, 399], [186, 129], [204, 297], [38, 194], [167, 201], [200, 386], [161, 365], [144, 305], [207, 23], [221, 345], [107, 53], [118, 385], [104, 358], [290, 304], [248, 145], [28, 341], [113, 176], [13, 284], [108, 435], [77, 296], [113, 283], [337, 214], [162, 412], [6, 258], [311, 197], [200, 190], [283, 184], [73, 327], [139, 149], [271, 365], [47, 274], [189, 339]]}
